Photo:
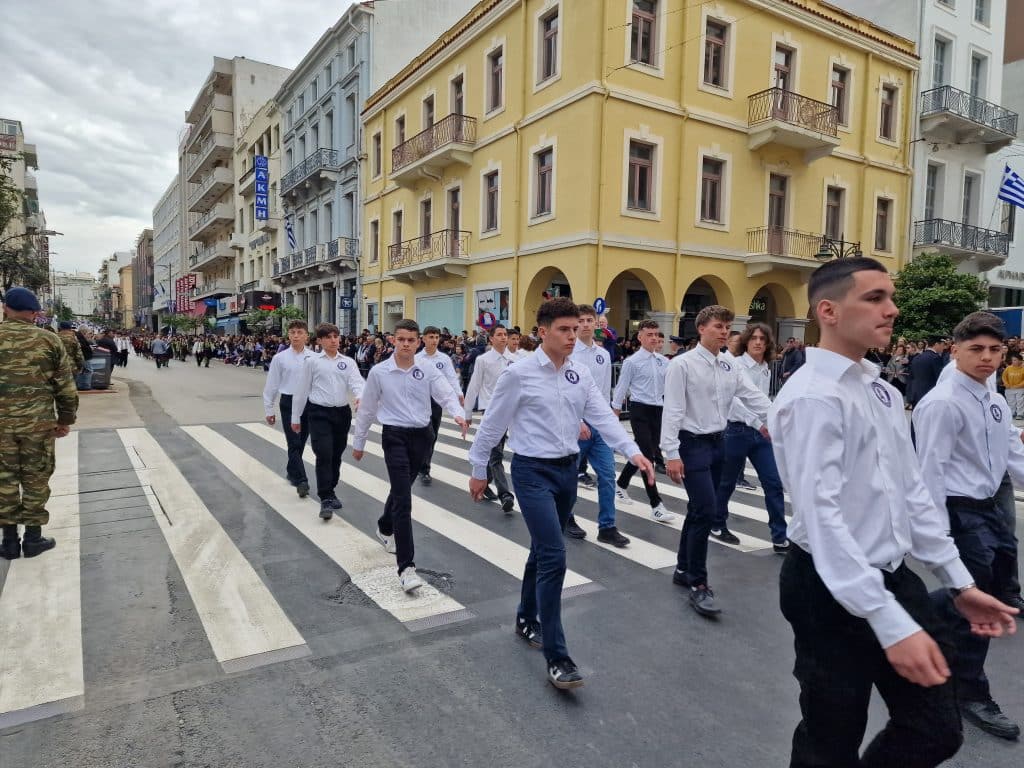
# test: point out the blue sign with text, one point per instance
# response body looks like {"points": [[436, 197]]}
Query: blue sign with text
{"points": [[262, 176]]}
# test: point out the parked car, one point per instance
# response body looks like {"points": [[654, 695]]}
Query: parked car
{"points": [[99, 364]]}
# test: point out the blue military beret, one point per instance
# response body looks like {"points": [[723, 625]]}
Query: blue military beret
{"points": [[21, 300]]}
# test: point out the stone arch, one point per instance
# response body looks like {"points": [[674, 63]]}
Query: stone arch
{"points": [[550, 279], [631, 296], [702, 292], [769, 303]]}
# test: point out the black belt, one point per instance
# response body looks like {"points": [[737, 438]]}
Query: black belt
{"points": [[560, 461], [396, 428], [325, 407], [969, 503], [712, 437]]}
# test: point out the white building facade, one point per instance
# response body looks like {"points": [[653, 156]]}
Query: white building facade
{"points": [[167, 253], [76, 291]]}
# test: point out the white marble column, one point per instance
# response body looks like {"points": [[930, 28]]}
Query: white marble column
{"points": [[740, 323], [792, 326]]}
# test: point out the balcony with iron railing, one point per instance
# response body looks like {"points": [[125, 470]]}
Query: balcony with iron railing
{"points": [[218, 116], [989, 248], [247, 184], [783, 118], [771, 248], [219, 287], [949, 114], [445, 143], [210, 188], [339, 254], [213, 149], [321, 163], [438, 253], [31, 186]]}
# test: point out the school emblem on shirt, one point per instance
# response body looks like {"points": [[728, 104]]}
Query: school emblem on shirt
{"points": [[417, 373], [657, 360], [997, 412], [600, 359], [572, 377], [440, 366], [882, 394], [342, 365], [724, 365]]}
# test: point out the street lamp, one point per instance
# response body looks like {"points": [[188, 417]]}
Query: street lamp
{"points": [[837, 249]]}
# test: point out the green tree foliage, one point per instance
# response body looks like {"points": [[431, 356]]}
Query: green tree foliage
{"points": [[933, 297]]}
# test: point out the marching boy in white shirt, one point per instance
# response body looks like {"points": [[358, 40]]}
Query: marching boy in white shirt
{"points": [[284, 366], [860, 616], [429, 355], [966, 441]]}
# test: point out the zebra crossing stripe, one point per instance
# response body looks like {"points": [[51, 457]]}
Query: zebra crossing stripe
{"points": [[371, 569], [503, 553], [41, 671], [244, 623]]}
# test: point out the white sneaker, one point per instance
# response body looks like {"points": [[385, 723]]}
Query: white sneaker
{"points": [[410, 580], [622, 497], [387, 541], [661, 514]]}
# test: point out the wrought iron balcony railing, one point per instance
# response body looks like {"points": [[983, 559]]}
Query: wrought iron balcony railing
{"points": [[794, 109], [453, 129], [956, 234], [323, 253], [776, 241], [443, 244], [319, 159], [946, 98]]}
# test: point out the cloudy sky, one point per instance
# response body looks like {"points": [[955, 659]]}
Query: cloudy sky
{"points": [[101, 89]]}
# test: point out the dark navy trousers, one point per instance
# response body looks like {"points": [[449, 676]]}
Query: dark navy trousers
{"points": [[296, 442], [702, 456]]}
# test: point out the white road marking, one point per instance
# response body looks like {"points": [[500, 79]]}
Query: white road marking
{"points": [[41, 671], [244, 623], [371, 569]]}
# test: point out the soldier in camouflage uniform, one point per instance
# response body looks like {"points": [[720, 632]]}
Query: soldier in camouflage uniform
{"points": [[72, 347], [38, 402]]}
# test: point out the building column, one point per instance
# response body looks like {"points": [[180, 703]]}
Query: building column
{"points": [[740, 323], [325, 304], [668, 323], [792, 326]]}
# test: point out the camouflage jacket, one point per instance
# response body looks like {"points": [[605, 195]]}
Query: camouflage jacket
{"points": [[36, 381], [74, 350]]}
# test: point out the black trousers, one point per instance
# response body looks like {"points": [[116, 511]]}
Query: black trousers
{"points": [[328, 434], [646, 423], [435, 424], [404, 451], [839, 659], [296, 470]]}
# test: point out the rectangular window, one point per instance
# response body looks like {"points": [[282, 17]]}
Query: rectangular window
{"points": [[328, 222], [313, 90], [714, 53], [425, 223], [428, 112], [712, 173], [376, 154], [351, 55], [329, 74], [840, 94], [314, 228], [834, 213], [302, 104], [329, 130], [458, 96], [300, 232], [940, 54], [491, 201], [641, 176], [883, 209], [374, 241], [548, 46], [931, 184], [642, 32], [977, 83], [1008, 219], [353, 118], [887, 116], [544, 170], [314, 138], [396, 227], [289, 161], [495, 79], [969, 211], [399, 130], [981, 11]]}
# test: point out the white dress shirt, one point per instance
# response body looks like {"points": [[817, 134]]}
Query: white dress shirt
{"points": [[327, 381], [547, 404], [950, 369], [700, 388], [758, 374], [400, 397], [966, 440], [598, 362], [280, 379], [860, 506], [520, 354], [486, 370], [444, 364], [641, 379]]}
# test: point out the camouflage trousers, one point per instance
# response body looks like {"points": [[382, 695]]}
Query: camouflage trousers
{"points": [[26, 463]]}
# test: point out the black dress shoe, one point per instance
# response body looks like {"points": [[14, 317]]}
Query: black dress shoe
{"points": [[508, 505], [336, 503], [724, 535], [425, 478], [490, 495], [10, 549], [1016, 601], [563, 674], [680, 579], [302, 489], [33, 547], [572, 529], [529, 631], [781, 549], [702, 599], [611, 535], [987, 716], [326, 509]]}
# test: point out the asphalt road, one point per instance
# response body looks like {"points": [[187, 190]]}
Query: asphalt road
{"points": [[222, 624]]}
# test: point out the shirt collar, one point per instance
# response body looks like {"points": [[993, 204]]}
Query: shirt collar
{"points": [[704, 352], [581, 347], [546, 362], [750, 362], [976, 390], [835, 366]]}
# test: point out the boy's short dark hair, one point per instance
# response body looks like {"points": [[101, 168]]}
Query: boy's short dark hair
{"points": [[833, 278], [514, 332], [714, 312], [327, 329], [431, 329], [495, 329], [300, 324], [586, 309], [645, 324], [555, 309], [979, 324], [407, 324]]}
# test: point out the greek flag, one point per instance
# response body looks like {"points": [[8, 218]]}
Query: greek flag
{"points": [[290, 232], [1012, 191]]}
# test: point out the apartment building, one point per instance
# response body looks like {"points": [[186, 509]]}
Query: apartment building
{"points": [[109, 294], [321, 185], [74, 290], [124, 301], [661, 157], [142, 282], [27, 231], [231, 96], [167, 252]]}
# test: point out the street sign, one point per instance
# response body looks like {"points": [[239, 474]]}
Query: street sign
{"points": [[346, 302], [487, 320], [262, 176], [600, 305], [260, 161]]}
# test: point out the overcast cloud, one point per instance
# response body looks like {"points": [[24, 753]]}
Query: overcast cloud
{"points": [[101, 88]]}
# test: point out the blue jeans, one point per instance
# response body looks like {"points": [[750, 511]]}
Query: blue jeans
{"points": [[546, 493], [742, 442], [599, 454]]}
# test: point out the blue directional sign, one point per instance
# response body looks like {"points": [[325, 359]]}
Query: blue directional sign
{"points": [[600, 305], [262, 176]]}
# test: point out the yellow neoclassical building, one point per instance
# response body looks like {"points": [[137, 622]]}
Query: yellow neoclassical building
{"points": [[661, 155]]}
